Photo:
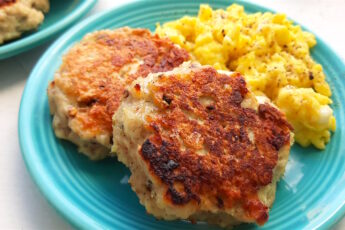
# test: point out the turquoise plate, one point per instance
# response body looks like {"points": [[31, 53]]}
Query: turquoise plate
{"points": [[96, 195], [62, 14]]}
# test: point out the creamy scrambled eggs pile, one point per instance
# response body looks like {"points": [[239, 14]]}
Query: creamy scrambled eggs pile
{"points": [[272, 54]]}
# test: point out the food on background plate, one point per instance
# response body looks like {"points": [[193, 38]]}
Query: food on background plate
{"points": [[273, 55], [88, 87], [200, 146], [19, 16]]}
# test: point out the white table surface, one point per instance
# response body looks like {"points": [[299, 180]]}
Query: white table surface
{"points": [[21, 204]]}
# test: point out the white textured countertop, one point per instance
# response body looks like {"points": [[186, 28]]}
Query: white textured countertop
{"points": [[21, 204]]}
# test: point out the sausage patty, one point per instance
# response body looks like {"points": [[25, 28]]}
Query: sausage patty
{"points": [[88, 87], [200, 146]]}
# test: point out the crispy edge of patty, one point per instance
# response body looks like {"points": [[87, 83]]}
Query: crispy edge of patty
{"points": [[60, 107], [150, 189], [133, 52]]}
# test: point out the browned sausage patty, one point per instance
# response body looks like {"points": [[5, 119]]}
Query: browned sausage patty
{"points": [[200, 146], [88, 87]]}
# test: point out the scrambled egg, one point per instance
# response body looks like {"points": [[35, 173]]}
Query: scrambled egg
{"points": [[272, 54]]}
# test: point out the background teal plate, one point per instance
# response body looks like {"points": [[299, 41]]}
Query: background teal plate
{"points": [[96, 195], [62, 14]]}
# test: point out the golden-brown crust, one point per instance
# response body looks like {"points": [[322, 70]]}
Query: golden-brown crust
{"points": [[90, 73], [234, 167], [6, 2]]}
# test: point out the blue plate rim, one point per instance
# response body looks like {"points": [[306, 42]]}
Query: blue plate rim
{"points": [[77, 218], [23, 44]]}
